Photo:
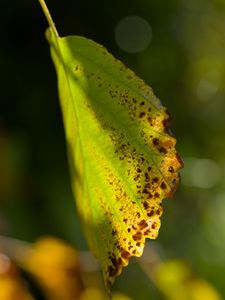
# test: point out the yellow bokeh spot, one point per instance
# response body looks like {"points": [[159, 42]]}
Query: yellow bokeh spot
{"points": [[177, 282], [12, 287], [202, 290], [55, 265]]}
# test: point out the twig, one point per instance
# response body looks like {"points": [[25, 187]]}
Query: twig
{"points": [[48, 17]]}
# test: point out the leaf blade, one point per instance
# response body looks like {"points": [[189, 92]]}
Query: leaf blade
{"points": [[122, 155]]}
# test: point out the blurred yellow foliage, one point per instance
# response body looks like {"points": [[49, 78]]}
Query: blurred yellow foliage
{"points": [[12, 286], [52, 266], [55, 266], [175, 279], [202, 290]]}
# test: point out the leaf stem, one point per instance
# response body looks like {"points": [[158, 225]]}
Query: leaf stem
{"points": [[48, 17]]}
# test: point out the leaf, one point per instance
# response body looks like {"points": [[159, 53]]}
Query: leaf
{"points": [[122, 155]]}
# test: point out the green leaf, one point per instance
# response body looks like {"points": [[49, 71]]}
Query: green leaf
{"points": [[122, 155]]}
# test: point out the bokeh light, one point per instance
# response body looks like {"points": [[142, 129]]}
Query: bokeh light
{"points": [[201, 173], [133, 34]]}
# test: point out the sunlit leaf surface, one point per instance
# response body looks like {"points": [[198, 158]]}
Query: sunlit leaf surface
{"points": [[122, 156]]}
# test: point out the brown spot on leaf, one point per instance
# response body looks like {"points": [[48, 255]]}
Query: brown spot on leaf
{"points": [[113, 260], [153, 226], [147, 186], [147, 232], [150, 121], [151, 213], [137, 177], [167, 121], [156, 195], [149, 195], [162, 150], [163, 185], [146, 205], [158, 211], [142, 114], [155, 141], [171, 169], [143, 224], [114, 232], [119, 261], [155, 179], [112, 271], [137, 236]]}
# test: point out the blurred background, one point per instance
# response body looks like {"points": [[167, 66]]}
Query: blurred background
{"points": [[178, 48]]}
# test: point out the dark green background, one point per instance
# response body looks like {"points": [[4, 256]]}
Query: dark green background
{"points": [[185, 66]]}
